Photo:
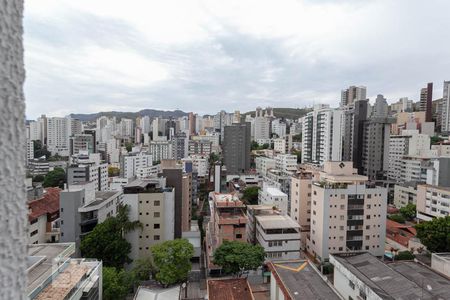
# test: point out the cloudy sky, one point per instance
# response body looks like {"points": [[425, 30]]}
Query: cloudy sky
{"points": [[100, 55]]}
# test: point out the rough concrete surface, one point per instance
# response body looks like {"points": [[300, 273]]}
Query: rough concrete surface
{"points": [[13, 213]]}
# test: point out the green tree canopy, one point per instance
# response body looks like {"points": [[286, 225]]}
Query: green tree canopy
{"points": [[397, 218], [113, 171], [404, 255], [250, 195], [38, 178], [129, 146], [172, 260], [409, 211], [143, 267], [116, 283], [236, 257], [435, 139], [107, 243], [55, 178], [40, 150], [435, 234]]}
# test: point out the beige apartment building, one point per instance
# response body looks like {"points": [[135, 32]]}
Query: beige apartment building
{"points": [[152, 204], [347, 213], [432, 202], [301, 185]]}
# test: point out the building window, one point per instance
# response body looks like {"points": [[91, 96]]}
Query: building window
{"points": [[156, 214], [342, 217], [342, 206], [369, 196], [367, 226], [156, 226], [156, 237], [35, 220], [367, 237], [315, 193], [343, 196], [239, 236], [34, 233], [368, 206], [157, 203], [368, 217], [62, 209]]}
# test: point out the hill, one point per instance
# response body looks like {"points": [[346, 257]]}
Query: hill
{"points": [[287, 113], [153, 113]]}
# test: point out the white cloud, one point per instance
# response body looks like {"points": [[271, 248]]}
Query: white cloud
{"points": [[215, 54]]}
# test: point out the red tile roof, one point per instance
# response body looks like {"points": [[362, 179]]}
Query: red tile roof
{"points": [[229, 289], [48, 204]]}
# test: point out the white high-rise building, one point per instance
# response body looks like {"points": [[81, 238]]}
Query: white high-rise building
{"points": [[145, 124], [132, 163], [35, 131], [126, 126], [58, 134], [322, 135], [410, 143], [155, 129], [279, 128], [262, 128]]}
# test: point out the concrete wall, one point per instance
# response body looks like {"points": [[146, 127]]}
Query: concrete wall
{"points": [[13, 212]]}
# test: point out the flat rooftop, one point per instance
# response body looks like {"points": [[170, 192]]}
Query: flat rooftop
{"points": [[400, 280], [275, 192], [276, 222], [229, 289], [100, 198], [301, 280]]}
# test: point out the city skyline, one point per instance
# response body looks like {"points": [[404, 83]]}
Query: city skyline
{"points": [[206, 57]]}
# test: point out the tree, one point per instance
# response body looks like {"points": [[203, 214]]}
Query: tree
{"points": [[435, 234], [404, 255], [397, 218], [254, 145], [298, 154], [116, 283], [38, 178], [409, 211], [435, 139], [129, 146], [172, 261], [107, 243], [297, 138], [113, 171], [40, 150], [250, 195], [55, 178], [236, 257], [143, 267], [265, 146]]}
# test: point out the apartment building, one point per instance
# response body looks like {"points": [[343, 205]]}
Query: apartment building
{"points": [[405, 193], [432, 202], [160, 150], [132, 163], [322, 135], [82, 208], [228, 222], [43, 217], [199, 147], [410, 143], [87, 167], [252, 212], [279, 235], [58, 133], [263, 164], [301, 186], [442, 149], [273, 196], [152, 203], [236, 148], [347, 213], [53, 274], [286, 163], [82, 142]]}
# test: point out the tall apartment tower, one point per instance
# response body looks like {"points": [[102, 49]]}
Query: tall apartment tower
{"points": [[322, 135], [445, 117], [347, 214], [354, 118], [191, 118], [426, 101], [353, 93], [236, 148]]}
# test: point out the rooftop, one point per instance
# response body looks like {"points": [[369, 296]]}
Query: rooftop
{"points": [[229, 289], [301, 280], [48, 204], [150, 293], [101, 198], [276, 222], [275, 192], [400, 280]]}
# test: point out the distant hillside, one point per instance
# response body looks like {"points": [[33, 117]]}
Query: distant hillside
{"points": [[153, 113], [287, 113]]}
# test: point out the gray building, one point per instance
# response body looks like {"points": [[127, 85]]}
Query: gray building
{"points": [[236, 147], [82, 142], [179, 146], [354, 118], [82, 208], [375, 142]]}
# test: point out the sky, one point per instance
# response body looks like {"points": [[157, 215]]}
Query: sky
{"points": [[204, 56]]}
